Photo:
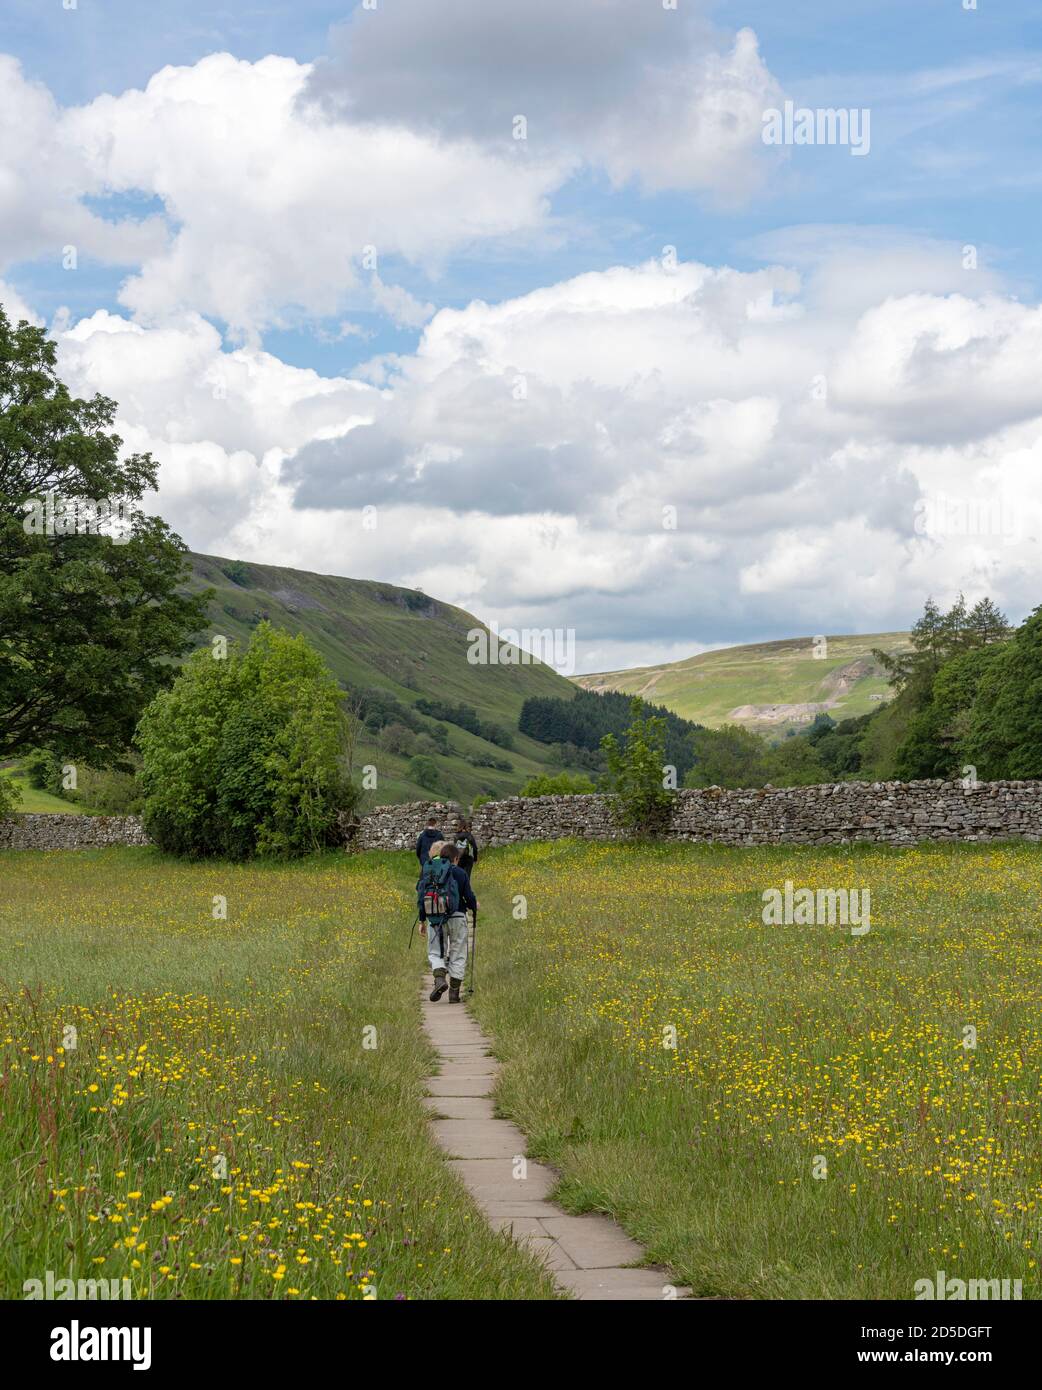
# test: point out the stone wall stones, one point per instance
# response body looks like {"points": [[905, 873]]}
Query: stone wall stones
{"points": [[896, 813], [46, 831], [396, 827]]}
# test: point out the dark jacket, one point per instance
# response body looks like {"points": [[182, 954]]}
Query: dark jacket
{"points": [[466, 893], [468, 850], [424, 841]]}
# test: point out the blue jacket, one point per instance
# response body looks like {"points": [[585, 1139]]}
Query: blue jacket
{"points": [[466, 893], [424, 841]]}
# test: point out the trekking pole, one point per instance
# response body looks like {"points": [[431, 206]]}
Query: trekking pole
{"points": [[473, 952], [412, 932]]}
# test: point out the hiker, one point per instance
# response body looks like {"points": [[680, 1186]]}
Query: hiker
{"points": [[442, 895], [467, 845], [426, 839]]}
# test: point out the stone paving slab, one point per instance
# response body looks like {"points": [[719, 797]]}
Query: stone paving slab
{"points": [[618, 1285], [593, 1242], [492, 1179], [591, 1258], [479, 1066], [448, 1018], [519, 1226], [545, 1248], [460, 1107], [497, 1210], [452, 1033], [470, 1138], [460, 1085]]}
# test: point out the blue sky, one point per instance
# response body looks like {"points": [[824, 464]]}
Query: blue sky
{"points": [[220, 217], [957, 140]]}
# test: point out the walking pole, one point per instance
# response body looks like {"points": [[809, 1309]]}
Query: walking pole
{"points": [[473, 952], [412, 933]]}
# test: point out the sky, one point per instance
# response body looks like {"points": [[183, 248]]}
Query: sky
{"points": [[667, 323]]}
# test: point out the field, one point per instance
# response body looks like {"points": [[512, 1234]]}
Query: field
{"points": [[793, 1044], [769, 687], [236, 1114], [223, 1122]]}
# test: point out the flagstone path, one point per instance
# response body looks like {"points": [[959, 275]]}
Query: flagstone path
{"points": [[590, 1256]]}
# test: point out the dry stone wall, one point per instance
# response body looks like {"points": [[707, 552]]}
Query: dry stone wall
{"points": [[897, 813], [396, 827], [45, 831]]}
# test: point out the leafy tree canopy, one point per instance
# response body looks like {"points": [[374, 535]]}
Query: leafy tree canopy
{"points": [[90, 616], [560, 784], [637, 775], [246, 755]]}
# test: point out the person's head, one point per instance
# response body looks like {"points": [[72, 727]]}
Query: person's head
{"points": [[462, 826], [432, 822], [436, 850], [449, 852]]}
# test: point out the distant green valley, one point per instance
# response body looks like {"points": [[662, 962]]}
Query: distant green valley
{"points": [[769, 688]]}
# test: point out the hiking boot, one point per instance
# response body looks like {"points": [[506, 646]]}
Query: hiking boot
{"points": [[440, 986], [454, 991]]}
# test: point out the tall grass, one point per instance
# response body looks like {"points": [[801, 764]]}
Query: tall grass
{"points": [[224, 1106], [827, 1125]]}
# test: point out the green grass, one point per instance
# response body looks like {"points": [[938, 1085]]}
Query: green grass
{"points": [[709, 688], [33, 800], [793, 1044], [241, 1109], [221, 1103]]}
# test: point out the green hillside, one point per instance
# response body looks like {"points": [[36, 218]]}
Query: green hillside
{"points": [[400, 641], [34, 801], [769, 687]]}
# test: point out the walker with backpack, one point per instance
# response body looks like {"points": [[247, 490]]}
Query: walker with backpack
{"points": [[441, 901]]}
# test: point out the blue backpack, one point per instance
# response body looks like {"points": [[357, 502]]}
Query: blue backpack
{"points": [[438, 890]]}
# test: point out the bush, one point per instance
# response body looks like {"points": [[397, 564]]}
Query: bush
{"points": [[10, 796], [396, 738], [563, 784], [1004, 737], [244, 755], [108, 791], [425, 773], [238, 572], [483, 760], [466, 717], [730, 756], [795, 763], [111, 791], [43, 770], [636, 775]]}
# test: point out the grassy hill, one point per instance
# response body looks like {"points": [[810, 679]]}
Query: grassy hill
{"points": [[768, 687], [33, 800], [376, 635]]}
